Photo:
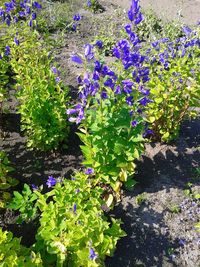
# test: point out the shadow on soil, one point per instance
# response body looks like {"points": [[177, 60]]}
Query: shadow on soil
{"points": [[163, 167], [143, 245]]}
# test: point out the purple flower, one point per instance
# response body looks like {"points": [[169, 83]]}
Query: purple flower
{"points": [[76, 17], [129, 100], [74, 26], [78, 110], [99, 44], [134, 13], [118, 90], [58, 79], [128, 28], [34, 187], [77, 191], [186, 30], [182, 242], [74, 208], [34, 16], [77, 59], [16, 41], [144, 101], [104, 95], [36, 5], [30, 23], [7, 50], [134, 123], [89, 171], [116, 52], [89, 3], [51, 181], [147, 132], [54, 70], [92, 255], [88, 52]]}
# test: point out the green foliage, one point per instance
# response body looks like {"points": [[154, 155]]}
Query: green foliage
{"points": [[174, 92], [190, 192], [54, 16], [25, 203], [94, 6], [111, 144], [174, 208], [42, 99], [4, 69], [71, 222], [153, 28], [141, 198], [5, 180], [13, 254]]}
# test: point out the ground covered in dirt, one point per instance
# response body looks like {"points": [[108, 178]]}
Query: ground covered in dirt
{"points": [[160, 213]]}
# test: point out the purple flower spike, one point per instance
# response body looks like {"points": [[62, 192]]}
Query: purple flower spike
{"points": [[76, 59], [51, 181], [89, 171], [92, 255]]}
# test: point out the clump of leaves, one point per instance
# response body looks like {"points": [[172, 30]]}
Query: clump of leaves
{"points": [[12, 253], [5, 180], [4, 71], [141, 198], [73, 228], [42, 98]]}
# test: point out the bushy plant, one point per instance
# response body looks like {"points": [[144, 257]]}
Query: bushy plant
{"points": [[174, 83], [5, 180], [42, 97], [111, 107], [13, 254], [40, 92], [73, 229]]}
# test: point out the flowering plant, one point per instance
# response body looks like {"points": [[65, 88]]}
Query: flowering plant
{"points": [[111, 105], [73, 229], [42, 97], [174, 83]]}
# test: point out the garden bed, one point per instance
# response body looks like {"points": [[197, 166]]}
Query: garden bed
{"points": [[160, 212]]}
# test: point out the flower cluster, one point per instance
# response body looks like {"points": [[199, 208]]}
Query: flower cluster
{"points": [[134, 13], [14, 11], [76, 18]]}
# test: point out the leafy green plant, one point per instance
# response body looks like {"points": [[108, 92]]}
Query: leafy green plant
{"points": [[174, 208], [54, 16], [94, 6], [73, 229], [42, 97], [174, 85], [13, 254], [4, 69], [141, 198], [25, 203], [5, 180]]}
